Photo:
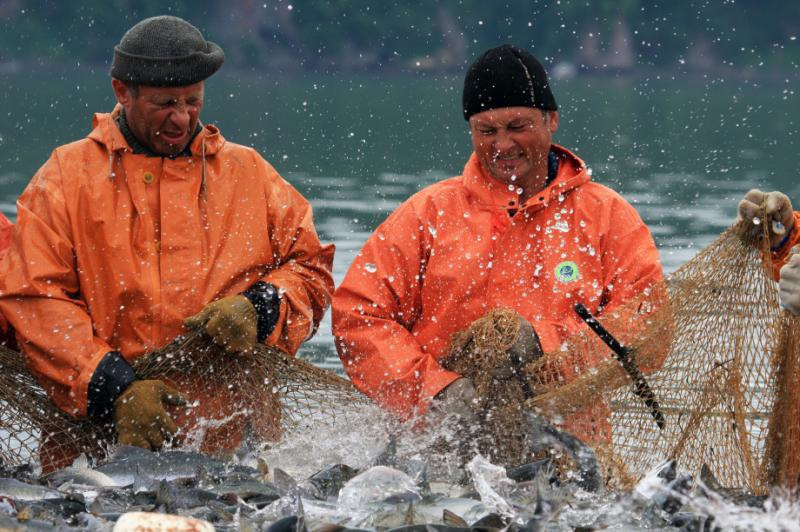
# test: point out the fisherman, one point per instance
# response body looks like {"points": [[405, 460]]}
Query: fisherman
{"points": [[781, 220], [153, 225], [523, 227]]}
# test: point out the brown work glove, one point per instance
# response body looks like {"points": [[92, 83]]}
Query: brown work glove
{"points": [[231, 322], [140, 417], [780, 216]]}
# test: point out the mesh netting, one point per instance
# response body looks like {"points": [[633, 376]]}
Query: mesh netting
{"points": [[247, 387], [479, 354], [725, 379], [719, 355]]}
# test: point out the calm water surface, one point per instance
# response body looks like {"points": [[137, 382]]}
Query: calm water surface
{"points": [[682, 150]]}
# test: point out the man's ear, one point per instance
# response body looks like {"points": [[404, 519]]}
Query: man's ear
{"points": [[122, 92], [553, 122]]}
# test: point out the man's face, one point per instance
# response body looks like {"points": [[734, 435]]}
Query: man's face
{"points": [[512, 143], [162, 118]]}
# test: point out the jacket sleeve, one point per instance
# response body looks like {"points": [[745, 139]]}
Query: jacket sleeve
{"points": [[6, 233], [781, 256], [374, 312], [40, 295], [302, 273]]}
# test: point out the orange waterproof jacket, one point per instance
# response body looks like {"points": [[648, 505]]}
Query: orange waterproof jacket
{"points": [[6, 230], [781, 255], [453, 251], [112, 250]]}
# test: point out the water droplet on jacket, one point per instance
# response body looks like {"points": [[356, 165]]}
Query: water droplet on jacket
{"points": [[371, 268]]}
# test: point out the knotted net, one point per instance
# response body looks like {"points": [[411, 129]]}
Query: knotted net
{"points": [[272, 392], [721, 358], [719, 354]]}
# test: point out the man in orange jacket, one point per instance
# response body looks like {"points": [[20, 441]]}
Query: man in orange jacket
{"points": [[522, 227], [153, 224]]}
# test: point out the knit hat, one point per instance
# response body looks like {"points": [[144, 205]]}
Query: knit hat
{"points": [[506, 76], [165, 51]]}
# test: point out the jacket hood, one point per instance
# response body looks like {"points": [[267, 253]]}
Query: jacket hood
{"points": [[106, 132], [572, 173]]}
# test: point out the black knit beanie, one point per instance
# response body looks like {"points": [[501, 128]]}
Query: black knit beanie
{"points": [[165, 51], [506, 76]]}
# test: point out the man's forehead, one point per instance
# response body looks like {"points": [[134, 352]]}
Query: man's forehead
{"points": [[172, 92], [504, 115]]}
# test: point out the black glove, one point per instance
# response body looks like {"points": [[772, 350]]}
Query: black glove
{"points": [[267, 302]]}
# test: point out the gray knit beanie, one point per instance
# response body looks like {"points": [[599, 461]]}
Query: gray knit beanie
{"points": [[165, 51]]}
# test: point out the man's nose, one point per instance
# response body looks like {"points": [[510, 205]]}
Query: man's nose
{"points": [[503, 142], [181, 117]]}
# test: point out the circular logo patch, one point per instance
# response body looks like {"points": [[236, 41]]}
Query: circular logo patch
{"points": [[567, 271]]}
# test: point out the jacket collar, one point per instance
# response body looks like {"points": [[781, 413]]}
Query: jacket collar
{"points": [[492, 193], [106, 132]]}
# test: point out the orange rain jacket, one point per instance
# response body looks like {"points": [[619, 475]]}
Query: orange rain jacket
{"points": [[452, 252], [781, 255], [112, 250], [6, 230]]}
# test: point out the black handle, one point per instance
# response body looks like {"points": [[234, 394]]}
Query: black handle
{"points": [[622, 354]]}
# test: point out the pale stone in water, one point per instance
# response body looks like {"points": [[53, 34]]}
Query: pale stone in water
{"points": [[155, 522]]}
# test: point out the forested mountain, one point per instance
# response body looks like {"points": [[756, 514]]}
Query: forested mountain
{"points": [[284, 35]]}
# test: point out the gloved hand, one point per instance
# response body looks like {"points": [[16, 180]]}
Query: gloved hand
{"points": [[789, 285], [527, 346], [525, 349], [458, 398], [779, 213], [231, 322], [140, 417]]}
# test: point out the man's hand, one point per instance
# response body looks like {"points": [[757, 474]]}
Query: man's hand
{"points": [[526, 347], [458, 398], [779, 213], [231, 322], [140, 417], [789, 285]]}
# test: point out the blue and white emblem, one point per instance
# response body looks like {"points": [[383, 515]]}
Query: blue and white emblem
{"points": [[567, 271]]}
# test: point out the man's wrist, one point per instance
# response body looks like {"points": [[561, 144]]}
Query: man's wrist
{"points": [[784, 240], [111, 377], [266, 300]]}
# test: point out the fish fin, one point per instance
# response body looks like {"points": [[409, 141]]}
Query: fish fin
{"points": [[453, 519]]}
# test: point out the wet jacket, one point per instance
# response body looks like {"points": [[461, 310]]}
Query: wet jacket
{"points": [[6, 231], [781, 255], [464, 246], [113, 250]]}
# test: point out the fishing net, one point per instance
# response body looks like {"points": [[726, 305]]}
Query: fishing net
{"points": [[720, 357], [711, 376], [265, 395], [479, 354]]}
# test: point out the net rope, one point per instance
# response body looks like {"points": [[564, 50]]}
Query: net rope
{"points": [[719, 354]]}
